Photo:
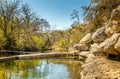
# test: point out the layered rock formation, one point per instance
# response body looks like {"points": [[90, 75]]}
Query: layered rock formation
{"points": [[104, 41]]}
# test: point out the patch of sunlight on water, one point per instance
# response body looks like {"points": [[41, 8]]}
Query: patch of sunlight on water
{"points": [[40, 69]]}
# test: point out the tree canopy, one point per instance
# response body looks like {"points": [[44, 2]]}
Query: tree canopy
{"points": [[20, 27]]}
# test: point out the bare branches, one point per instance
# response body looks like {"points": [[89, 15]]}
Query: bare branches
{"points": [[17, 21], [75, 15]]}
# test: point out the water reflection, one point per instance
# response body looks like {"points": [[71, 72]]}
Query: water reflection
{"points": [[40, 69]]}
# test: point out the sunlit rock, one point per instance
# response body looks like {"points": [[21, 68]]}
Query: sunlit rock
{"points": [[87, 39], [99, 35], [84, 53], [113, 25], [81, 47], [108, 45], [94, 48]]}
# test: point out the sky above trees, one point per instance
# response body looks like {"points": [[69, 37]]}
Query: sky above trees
{"points": [[57, 12]]}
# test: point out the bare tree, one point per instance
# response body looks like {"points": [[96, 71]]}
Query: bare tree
{"points": [[75, 15]]}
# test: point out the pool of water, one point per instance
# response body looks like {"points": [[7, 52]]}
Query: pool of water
{"points": [[40, 69]]}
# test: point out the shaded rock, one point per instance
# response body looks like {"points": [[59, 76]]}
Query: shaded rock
{"points": [[117, 46], [87, 39], [81, 47], [99, 35], [108, 45]]}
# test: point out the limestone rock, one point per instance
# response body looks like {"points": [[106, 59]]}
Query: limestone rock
{"points": [[117, 46], [94, 48], [107, 40], [113, 25], [81, 47], [116, 14], [99, 35], [87, 39], [109, 31], [101, 68], [113, 28], [90, 58], [108, 45], [84, 53]]}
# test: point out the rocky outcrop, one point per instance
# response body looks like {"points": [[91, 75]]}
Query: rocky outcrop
{"points": [[108, 45], [100, 68], [113, 25], [102, 44], [108, 37], [113, 28]]}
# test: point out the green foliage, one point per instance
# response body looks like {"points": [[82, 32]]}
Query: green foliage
{"points": [[38, 42], [63, 43], [75, 34], [2, 39], [20, 28]]}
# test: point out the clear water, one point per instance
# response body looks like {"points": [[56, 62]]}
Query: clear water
{"points": [[40, 69]]}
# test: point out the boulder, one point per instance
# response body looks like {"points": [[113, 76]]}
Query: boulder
{"points": [[113, 25], [81, 47], [84, 53], [113, 28], [115, 15], [108, 45], [87, 39], [90, 58], [117, 46], [99, 35], [109, 31], [94, 48]]}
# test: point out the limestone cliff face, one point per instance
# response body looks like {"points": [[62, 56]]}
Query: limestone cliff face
{"points": [[105, 40]]}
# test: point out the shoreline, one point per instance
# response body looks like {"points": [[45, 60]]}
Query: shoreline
{"points": [[42, 56]]}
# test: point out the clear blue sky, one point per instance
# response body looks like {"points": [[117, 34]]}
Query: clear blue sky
{"points": [[57, 12]]}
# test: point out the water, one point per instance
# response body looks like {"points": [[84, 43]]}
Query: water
{"points": [[40, 69]]}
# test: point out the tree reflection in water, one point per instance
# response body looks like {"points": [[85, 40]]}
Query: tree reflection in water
{"points": [[40, 69]]}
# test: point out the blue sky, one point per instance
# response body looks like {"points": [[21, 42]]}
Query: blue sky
{"points": [[57, 12]]}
